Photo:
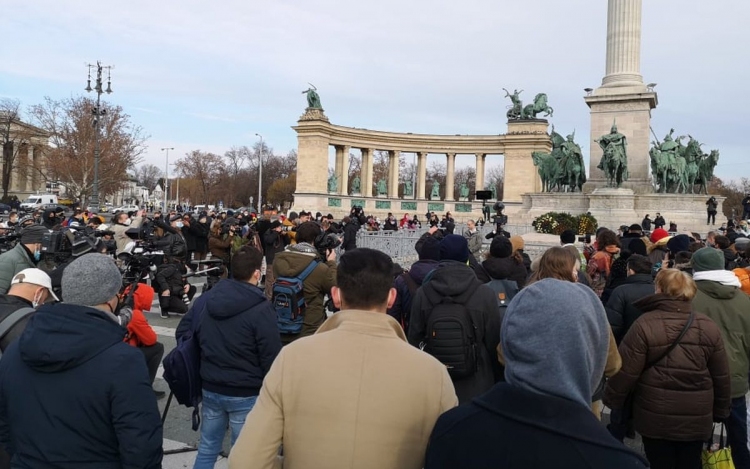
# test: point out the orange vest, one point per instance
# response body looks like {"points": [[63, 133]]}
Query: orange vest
{"points": [[744, 276]]}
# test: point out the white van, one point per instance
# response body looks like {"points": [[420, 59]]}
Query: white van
{"points": [[39, 201]]}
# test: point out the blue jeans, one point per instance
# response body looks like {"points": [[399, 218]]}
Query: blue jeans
{"points": [[218, 411], [737, 433]]}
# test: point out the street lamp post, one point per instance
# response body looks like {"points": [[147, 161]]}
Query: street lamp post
{"points": [[166, 176], [98, 113], [260, 173]]}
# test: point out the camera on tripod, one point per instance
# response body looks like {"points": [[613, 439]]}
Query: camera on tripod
{"points": [[500, 218], [325, 242]]}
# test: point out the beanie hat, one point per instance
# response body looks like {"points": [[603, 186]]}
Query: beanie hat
{"points": [[292, 216], [33, 234], [454, 248], [657, 234], [430, 249], [707, 259], [517, 242], [679, 243], [91, 280], [501, 247], [637, 246], [555, 338]]}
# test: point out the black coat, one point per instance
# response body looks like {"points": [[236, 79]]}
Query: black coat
{"points": [[239, 339], [272, 244], [646, 224], [9, 304], [350, 235], [74, 395], [457, 281], [621, 312], [401, 309], [513, 428], [200, 232], [506, 268], [169, 277], [659, 222]]}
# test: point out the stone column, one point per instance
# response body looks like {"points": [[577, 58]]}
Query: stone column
{"points": [[393, 159], [450, 177], [421, 175], [367, 172], [313, 137], [480, 171], [342, 169], [30, 169], [623, 43]]}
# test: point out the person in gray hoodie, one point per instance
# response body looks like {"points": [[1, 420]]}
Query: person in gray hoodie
{"points": [[554, 338]]}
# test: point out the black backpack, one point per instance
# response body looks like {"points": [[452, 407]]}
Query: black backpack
{"points": [[504, 291], [451, 338]]}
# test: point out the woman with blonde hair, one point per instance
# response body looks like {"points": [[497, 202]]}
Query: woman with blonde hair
{"points": [[675, 372]]}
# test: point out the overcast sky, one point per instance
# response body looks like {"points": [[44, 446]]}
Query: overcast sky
{"points": [[209, 75]]}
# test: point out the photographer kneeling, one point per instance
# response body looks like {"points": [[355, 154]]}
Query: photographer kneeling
{"points": [[175, 293]]}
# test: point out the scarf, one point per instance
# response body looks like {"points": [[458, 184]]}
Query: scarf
{"points": [[723, 277], [304, 248]]}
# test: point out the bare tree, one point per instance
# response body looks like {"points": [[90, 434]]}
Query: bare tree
{"points": [[203, 171], [149, 175], [72, 137], [496, 177]]}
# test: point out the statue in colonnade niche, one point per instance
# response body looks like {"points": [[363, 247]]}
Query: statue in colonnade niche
{"points": [[382, 189], [408, 189], [333, 183], [435, 194], [355, 185], [463, 191]]}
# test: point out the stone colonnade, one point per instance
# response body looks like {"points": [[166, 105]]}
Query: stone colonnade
{"points": [[392, 182], [316, 134]]}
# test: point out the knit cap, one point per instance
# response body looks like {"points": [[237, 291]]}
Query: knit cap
{"points": [[707, 259], [657, 234], [430, 249], [454, 248], [637, 246], [91, 280], [679, 243], [501, 247], [555, 338], [33, 234]]}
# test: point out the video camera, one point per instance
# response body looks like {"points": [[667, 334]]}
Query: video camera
{"points": [[325, 242], [140, 257], [61, 245]]}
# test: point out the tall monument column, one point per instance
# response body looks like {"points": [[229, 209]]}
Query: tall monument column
{"points": [[623, 99], [623, 44]]}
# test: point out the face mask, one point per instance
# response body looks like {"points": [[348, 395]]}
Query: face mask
{"points": [[127, 222], [179, 224], [37, 255]]}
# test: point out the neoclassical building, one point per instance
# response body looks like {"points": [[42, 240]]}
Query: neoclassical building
{"points": [[27, 144], [316, 135]]}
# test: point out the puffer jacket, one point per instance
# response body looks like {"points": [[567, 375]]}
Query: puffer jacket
{"points": [[401, 309], [728, 307], [291, 263], [678, 398], [496, 268], [12, 262]]}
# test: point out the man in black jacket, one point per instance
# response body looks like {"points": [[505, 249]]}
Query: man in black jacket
{"points": [[171, 287], [351, 227], [72, 392], [621, 312], [659, 221], [239, 341]]}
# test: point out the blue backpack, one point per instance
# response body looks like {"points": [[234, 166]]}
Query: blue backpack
{"points": [[289, 300], [182, 368]]}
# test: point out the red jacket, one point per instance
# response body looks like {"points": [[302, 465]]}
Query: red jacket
{"points": [[140, 332]]}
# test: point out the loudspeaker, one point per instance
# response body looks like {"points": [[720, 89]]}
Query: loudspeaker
{"points": [[484, 195]]}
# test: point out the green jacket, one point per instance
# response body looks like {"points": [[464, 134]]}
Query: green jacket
{"points": [[289, 264], [729, 308], [11, 263]]}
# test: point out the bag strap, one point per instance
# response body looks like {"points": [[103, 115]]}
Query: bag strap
{"points": [[12, 319], [308, 270], [674, 344], [410, 283]]}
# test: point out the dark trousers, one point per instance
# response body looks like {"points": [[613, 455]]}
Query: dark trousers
{"points": [[711, 218], [737, 433], [174, 303], [153, 356], [665, 454]]}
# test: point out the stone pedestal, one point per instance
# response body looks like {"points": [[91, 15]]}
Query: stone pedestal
{"points": [[523, 138], [614, 207]]}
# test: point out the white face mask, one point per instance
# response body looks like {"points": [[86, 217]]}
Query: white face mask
{"points": [[179, 224], [127, 222]]}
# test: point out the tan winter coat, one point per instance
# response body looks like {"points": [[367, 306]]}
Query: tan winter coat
{"points": [[355, 394]]}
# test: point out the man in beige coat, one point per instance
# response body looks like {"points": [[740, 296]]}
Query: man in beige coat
{"points": [[355, 394]]}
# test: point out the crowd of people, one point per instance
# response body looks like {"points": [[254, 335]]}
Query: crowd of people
{"points": [[471, 357]]}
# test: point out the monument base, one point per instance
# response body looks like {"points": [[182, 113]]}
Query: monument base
{"points": [[638, 186], [613, 207]]}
